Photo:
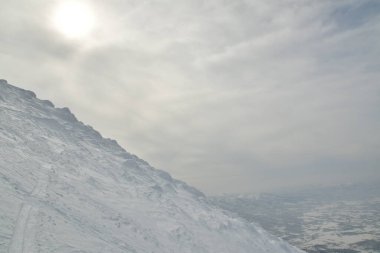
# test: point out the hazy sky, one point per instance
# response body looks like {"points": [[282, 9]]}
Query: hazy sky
{"points": [[229, 96]]}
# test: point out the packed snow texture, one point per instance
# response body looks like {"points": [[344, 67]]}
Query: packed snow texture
{"points": [[65, 188]]}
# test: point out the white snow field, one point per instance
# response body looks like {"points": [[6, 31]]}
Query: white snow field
{"points": [[65, 188]]}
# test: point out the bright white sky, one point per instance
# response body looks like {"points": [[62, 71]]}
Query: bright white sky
{"points": [[73, 19], [229, 96]]}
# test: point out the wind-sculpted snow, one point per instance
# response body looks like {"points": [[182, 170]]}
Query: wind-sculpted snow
{"points": [[65, 188]]}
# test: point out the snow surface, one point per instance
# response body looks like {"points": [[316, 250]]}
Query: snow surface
{"points": [[65, 188]]}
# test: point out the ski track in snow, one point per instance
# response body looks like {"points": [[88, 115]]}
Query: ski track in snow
{"points": [[21, 236], [17, 241]]}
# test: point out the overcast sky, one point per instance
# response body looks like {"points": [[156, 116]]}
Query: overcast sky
{"points": [[229, 96]]}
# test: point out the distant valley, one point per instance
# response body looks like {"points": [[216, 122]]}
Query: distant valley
{"points": [[344, 219]]}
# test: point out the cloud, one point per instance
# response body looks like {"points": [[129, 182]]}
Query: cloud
{"points": [[230, 97]]}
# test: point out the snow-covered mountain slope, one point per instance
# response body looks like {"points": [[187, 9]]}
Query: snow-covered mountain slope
{"points": [[64, 188]]}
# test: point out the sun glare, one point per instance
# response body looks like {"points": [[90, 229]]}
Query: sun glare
{"points": [[74, 19]]}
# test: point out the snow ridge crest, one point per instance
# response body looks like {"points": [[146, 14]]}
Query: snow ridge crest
{"points": [[64, 188]]}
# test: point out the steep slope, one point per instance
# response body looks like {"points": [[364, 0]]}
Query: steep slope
{"points": [[64, 188]]}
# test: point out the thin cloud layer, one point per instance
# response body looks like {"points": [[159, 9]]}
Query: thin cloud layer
{"points": [[237, 96]]}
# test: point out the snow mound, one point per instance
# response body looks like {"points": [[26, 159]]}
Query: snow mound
{"points": [[65, 188]]}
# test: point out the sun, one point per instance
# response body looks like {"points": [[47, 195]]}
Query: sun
{"points": [[74, 19]]}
